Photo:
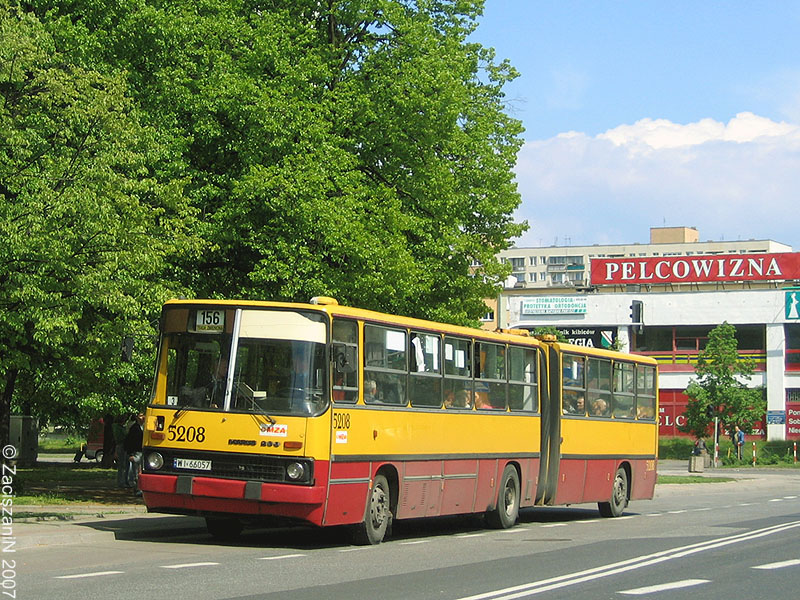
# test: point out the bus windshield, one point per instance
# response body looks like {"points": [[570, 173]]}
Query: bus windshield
{"points": [[277, 370]]}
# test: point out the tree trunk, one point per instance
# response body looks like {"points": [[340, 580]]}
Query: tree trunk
{"points": [[5, 406]]}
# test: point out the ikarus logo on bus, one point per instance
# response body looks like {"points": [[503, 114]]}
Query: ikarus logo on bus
{"points": [[274, 430]]}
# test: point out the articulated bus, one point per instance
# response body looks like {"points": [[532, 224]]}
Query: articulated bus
{"points": [[331, 415]]}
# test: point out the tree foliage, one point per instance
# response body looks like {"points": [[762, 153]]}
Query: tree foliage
{"points": [[85, 226], [720, 389], [240, 148]]}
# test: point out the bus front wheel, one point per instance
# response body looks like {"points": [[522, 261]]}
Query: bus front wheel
{"points": [[619, 496], [505, 514], [378, 515]]}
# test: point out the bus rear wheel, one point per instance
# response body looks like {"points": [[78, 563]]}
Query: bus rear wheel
{"points": [[378, 515], [505, 514], [224, 528], [619, 496]]}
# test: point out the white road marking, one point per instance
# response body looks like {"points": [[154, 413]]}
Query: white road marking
{"points": [[281, 557], [554, 525], [470, 535], [190, 565], [779, 565], [675, 585], [414, 542], [95, 574], [562, 581]]}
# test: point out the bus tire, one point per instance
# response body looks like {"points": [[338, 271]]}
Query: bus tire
{"points": [[619, 496], [505, 514], [224, 528], [378, 514]]}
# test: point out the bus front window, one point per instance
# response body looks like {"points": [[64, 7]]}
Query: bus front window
{"points": [[197, 367], [278, 376]]}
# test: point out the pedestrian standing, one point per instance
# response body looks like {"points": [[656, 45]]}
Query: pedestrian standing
{"points": [[738, 438], [122, 457], [133, 447]]}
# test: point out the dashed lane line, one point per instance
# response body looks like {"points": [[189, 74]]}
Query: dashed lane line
{"points": [[663, 587]]}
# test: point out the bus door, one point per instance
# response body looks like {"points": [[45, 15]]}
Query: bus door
{"points": [[550, 363]]}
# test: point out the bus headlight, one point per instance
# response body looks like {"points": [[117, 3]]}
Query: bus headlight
{"points": [[295, 471], [154, 461]]}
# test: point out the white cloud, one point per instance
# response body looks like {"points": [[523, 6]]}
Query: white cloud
{"points": [[735, 180], [661, 133]]}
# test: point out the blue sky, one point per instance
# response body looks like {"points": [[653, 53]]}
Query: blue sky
{"points": [[641, 114]]}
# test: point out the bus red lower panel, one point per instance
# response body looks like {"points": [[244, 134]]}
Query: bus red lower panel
{"points": [[424, 488], [571, 481], [347, 493], [644, 479]]}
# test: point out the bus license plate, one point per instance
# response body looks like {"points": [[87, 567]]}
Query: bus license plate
{"points": [[191, 463]]}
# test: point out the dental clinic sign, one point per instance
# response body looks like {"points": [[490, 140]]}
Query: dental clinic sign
{"points": [[696, 269], [554, 305]]}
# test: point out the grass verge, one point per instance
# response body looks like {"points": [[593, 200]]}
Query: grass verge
{"points": [[692, 479]]}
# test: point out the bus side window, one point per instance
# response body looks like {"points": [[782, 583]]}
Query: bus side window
{"points": [[598, 375], [522, 390], [425, 380], [386, 364], [345, 360], [624, 388], [457, 373], [490, 379], [574, 385], [645, 392]]}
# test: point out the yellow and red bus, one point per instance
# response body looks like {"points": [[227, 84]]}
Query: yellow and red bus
{"points": [[333, 415]]}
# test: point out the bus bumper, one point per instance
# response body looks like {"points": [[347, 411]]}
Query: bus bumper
{"points": [[192, 494]]}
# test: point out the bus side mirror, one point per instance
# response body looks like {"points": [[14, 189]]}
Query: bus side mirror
{"points": [[342, 364]]}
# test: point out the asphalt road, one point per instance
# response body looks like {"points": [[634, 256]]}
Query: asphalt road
{"points": [[720, 540]]}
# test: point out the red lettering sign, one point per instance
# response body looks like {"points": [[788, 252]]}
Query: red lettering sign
{"points": [[696, 269], [793, 420]]}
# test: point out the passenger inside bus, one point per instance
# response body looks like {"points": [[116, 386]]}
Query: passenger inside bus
{"points": [[574, 403], [370, 391]]}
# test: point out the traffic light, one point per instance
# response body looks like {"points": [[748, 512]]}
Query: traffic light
{"points": [[710, 411], [637, 315], [127, 349]]}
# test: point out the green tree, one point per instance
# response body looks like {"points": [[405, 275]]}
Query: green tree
{"points": [[354, 148], [550, 330], [720, 389], [86, 228]]}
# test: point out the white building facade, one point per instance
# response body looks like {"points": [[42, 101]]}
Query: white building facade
{"points": [[664, 303]]}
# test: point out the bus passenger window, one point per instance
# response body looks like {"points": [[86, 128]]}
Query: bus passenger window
{"points": [[645, 392], [522, 390], [490, 385], [624, 388], [345, 361], [457, 374], [598, 381], [425, 380], [385, 363], [574, 386]]}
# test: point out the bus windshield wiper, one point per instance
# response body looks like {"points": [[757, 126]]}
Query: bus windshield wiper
{"points": [[258, 411]]}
